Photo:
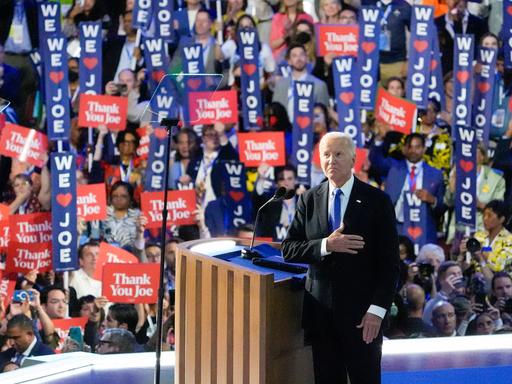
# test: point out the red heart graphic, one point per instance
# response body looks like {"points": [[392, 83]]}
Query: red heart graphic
{"points": [[56, 76], [236, 195], [420, 45], [194, 83], [414, 232], [509, 10], [64, 199], [249, 68], [90, 62], [347, 97], [433, 64], [160, 133], [259, 121], [368, 46], [303, 121], [463, 76], [157, 75], [466, 165], [484, 86]]}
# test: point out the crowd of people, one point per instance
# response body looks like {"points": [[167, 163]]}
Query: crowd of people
{"points": [[448, 287]]}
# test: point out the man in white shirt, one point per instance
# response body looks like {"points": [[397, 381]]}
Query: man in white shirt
{"points": [[83, 280]]}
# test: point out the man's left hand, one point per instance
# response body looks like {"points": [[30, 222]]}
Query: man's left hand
{"points": [[371, 327]]}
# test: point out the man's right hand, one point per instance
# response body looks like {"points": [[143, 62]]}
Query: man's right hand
{"points": [[340, 242]]}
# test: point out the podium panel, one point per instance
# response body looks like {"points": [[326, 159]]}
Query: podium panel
{"points": [[237, 323]]}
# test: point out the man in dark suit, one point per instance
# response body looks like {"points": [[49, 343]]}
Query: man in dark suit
{"points": [[21, 331], [345, 230], [457, 20]]}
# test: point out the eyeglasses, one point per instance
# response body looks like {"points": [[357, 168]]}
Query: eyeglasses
{"points": [[17, 185]]}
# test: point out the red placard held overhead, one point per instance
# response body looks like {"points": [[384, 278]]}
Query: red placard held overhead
{"points": [[261, 147], [209, 107], [181, 206], [342, 40], [361, 155], [96, 110], [91, 201], [24, 144], [109, 254], [29, 243], [399, 113], [129, 283]]}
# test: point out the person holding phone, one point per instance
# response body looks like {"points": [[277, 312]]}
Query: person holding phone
{"points": [[451, 283]]}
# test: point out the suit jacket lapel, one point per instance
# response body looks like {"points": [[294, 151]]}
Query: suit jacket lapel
{"points": [[355, 202], [323, 204]]}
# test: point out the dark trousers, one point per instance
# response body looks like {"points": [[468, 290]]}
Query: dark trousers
{"points": [[339, 349]]}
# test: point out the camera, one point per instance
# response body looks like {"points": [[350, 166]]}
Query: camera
{"points": [[473, 245], [121, 88], [20, 296], [508, 306], [425, 270]]}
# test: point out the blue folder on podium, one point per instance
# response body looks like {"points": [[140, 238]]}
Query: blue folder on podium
{"points": [[269, 253]]}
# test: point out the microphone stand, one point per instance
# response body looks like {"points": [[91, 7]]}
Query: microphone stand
{"points": [[250, 253], [168, 124]]}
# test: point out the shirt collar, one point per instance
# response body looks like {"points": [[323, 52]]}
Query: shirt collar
{"points": [[345, 188], [418, 165], [30, 347]]}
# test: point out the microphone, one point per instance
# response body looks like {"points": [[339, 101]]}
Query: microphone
{"points": [[289, 194], [249, 253]]}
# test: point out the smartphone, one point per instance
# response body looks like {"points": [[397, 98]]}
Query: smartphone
{"points": [[481, 298], [121, 88], [20, 296], [75, 333], [425, 270], [508, 306]]}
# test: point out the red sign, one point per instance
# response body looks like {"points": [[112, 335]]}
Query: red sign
{"points": [[30, 244], [4, 227], [24, 258], [210, 107], [110, 254], [399, 113], [261, 147], [341, 40], [96, 110], [24, 144], [143, 148], [131, 283], [181, 206], [91, 201], [65, 324], [361, 155], [7, 285]]}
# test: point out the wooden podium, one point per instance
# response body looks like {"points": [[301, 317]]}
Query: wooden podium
{"points": [[236, 325]]}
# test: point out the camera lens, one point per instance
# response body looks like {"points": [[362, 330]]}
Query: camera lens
{"points": [[473, 245]]}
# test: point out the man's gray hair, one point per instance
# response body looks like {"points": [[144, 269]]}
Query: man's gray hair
{"points": [[431, 249], [122, 339], [345, 137]]}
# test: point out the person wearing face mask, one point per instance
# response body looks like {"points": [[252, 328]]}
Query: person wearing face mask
{"points": [[457, 20]]}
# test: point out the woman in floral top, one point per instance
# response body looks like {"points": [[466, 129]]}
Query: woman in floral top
{"points": [[496, 241]]}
